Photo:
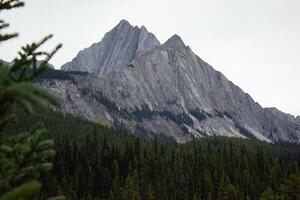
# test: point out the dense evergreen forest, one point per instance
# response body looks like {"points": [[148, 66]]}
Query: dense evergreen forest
{"points": [[96, 162]]}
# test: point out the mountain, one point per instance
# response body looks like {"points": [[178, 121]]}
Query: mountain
{"points": [[131, 81], [298, 119], [4, 62], [116, 50], [38, 63]]}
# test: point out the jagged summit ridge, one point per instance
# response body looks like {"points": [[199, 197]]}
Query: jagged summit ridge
{"points": [[151, 88], [175, 42], [115, 51], [123, 22]]}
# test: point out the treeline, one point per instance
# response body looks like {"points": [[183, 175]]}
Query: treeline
{"points": [[59, 75], [96, 162]]}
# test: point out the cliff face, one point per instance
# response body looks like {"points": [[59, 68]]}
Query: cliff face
{"points": [[116, 50], [138, 84]]}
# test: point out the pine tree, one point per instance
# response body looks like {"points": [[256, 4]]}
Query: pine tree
{"points": [[290, 189], [174, 173], [150, 193], [130, 190], [233, 194], [223, 189], [24, 156], [115, 192], [268, 194]]}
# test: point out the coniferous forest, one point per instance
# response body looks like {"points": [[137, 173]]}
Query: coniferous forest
{"points": [[66, 157], [96, 162]]}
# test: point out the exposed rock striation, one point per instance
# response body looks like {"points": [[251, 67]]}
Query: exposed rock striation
{"points": [[116, 50], [149, 88]]}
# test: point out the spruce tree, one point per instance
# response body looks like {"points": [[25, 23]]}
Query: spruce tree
{"points": [[150, 193], [130, 190], [224, 189], [268, 194], [25, 155], [290, 189]]}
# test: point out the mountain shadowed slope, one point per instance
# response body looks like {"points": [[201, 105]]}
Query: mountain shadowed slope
{"points": [[138, 84]]}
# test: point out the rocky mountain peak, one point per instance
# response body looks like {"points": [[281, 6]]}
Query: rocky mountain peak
{"points": [[175, 42], [150, 88], [115, 51], [123, 26], [124, 22]]}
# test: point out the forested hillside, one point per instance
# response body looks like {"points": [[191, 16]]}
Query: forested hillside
{"points": [[95, 162]]}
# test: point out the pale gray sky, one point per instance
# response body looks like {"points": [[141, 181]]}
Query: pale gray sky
{"points": [[256, 43]]}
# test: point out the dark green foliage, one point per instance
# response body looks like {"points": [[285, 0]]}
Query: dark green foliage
{"points": [[95, 162], [31, 153], [290, 189], [130, 191], [60, 75], [143, 113], [269, 195], [24, 156], [111, 106], [54, 74], [25, 191], [146, 113]]}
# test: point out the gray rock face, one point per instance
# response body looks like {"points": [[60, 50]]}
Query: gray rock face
{"points": [[116, 50], [73, 100], [164, 89], [281, 125], [298, 119]]}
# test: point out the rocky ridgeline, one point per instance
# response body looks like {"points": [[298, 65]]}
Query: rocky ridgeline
{"points": [[136, 83]]}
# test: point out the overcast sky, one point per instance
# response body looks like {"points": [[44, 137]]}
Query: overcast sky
{"points": [[256, 43]]}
